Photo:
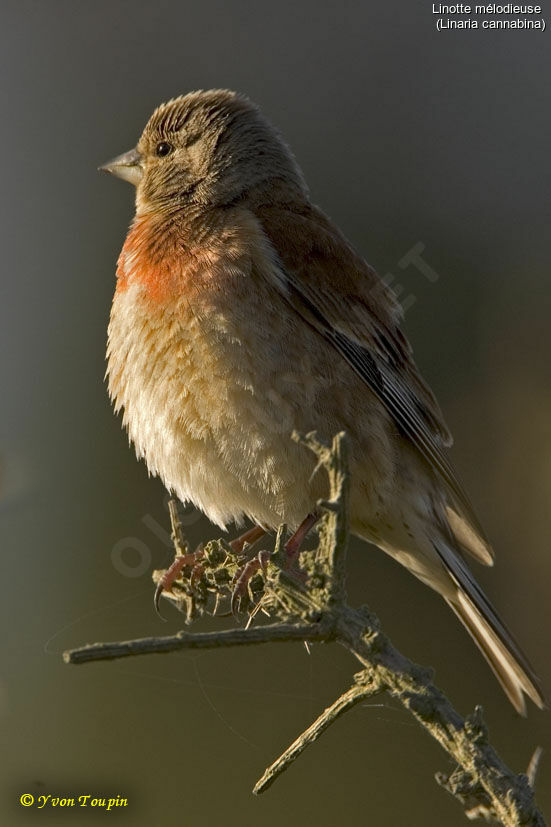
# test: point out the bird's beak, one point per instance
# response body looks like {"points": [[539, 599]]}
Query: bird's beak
{"points": [[127, 166]]}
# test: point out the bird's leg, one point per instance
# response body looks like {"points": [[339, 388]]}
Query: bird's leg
{"points": [[293, 544], [248, 538]]}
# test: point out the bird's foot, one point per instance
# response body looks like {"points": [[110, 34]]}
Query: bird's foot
{"points": [[180, 562], [195, 562], [204, 570], [244, 581]]}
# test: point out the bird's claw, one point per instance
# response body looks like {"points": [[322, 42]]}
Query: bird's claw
{"points": [[173, 572], [242, 581]]}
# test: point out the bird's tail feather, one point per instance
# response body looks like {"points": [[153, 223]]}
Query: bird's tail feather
{"points": [[490, 634]]}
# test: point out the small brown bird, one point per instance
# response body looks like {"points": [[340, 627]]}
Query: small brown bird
{"points": [[241, 313]]}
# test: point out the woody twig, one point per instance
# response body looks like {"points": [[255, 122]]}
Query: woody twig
{"points": [[481, 781]]}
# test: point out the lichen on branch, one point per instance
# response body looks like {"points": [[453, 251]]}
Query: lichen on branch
{"points": [[481, 781]]}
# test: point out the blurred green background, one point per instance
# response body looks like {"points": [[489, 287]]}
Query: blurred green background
{"points": [[406, 136]]}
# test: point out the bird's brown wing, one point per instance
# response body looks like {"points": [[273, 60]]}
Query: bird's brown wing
{"points": [[344, 299]]}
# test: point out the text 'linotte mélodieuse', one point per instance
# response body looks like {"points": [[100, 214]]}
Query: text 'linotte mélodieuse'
{"points": [[494, 16], [492, 8]]}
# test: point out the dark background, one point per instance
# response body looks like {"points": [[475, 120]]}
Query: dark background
{"points": [[405, 135]]}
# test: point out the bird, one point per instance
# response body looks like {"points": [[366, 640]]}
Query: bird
{"points": [[241, 314]]}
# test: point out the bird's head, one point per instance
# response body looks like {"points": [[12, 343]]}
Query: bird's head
{"points": [[209, 149]]}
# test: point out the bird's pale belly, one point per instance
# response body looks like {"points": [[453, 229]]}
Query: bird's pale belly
{"points": [[212, 413]]}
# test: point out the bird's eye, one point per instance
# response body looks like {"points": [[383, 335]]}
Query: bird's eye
{"points": [[163, 149]]}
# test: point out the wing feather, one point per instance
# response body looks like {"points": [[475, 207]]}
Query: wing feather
{"points": [[338, 294]]}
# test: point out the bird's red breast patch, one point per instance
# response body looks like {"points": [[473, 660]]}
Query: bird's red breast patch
{"points": [[153, 258]]}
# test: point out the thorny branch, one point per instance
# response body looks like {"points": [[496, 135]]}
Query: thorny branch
{"points": [[481, 781]]}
